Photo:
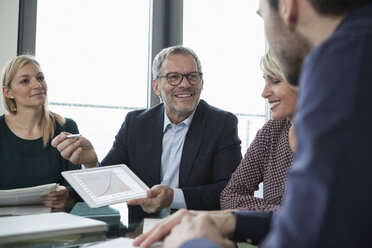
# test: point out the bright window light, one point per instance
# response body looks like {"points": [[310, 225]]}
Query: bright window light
{"points": [[228, 36], [94, 54]]}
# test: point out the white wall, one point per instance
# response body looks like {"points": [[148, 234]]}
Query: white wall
{"points": [[9, 34]]}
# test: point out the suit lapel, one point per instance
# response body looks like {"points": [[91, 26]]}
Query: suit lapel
{"points": [[192, 143], [154, 145]]}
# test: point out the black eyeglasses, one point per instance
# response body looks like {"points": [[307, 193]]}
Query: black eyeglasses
{"points": [[175, 78]]}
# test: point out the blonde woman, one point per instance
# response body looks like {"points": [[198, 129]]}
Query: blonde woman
{"points": [[271, 153], [26, 156]]}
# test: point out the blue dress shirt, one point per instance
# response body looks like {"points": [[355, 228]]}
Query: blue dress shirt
{"points": [[173, 140]]}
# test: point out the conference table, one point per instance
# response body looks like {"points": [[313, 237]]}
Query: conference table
{"points": [[122, 221], [133, 221]]}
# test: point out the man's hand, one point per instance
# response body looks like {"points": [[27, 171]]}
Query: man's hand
{"points": [[158, 197], [223, 220], [57, 199], [77, 150], [199, 226], [162, 229]]}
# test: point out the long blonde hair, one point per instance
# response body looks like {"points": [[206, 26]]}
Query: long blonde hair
{"points": [[49, 118]]}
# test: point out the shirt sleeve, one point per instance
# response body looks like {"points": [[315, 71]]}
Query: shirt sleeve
{"points": [[200, 242], [251, 226], [96, 166], [71, 127], [178, 199], [239, 192]]}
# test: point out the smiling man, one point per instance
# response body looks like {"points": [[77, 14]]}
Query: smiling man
{"points": [[189, 148], [183, 148]]}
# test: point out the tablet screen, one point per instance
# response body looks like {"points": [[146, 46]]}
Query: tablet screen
{"points": [[106, 185]]}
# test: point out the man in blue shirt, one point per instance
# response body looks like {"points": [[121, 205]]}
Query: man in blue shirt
{"points": [[183, 148], [328, 199]]}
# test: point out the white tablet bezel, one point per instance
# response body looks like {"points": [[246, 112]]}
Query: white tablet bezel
{"points": [[69, 176]]}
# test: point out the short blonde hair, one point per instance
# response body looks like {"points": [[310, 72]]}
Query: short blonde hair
{"points": [[270, 65], [7, 76]]}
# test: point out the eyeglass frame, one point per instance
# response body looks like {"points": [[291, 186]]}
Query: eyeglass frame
{"points": [[182, 76]]}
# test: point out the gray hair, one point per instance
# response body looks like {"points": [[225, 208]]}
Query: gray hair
{"points": [[166, 52]]}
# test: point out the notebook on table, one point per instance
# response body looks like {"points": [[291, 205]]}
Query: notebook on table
{"points": [[40, 226]]}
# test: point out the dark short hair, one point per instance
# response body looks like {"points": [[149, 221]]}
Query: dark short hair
{"points": [[274, 4], [336, 7], [330, 7]]}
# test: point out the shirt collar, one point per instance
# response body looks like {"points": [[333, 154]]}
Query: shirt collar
{"points": [[186, 122]]}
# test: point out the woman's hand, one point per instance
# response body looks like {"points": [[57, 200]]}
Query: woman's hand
{"points": [[58, 198]]}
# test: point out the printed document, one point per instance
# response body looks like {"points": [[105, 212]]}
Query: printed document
{"points": [[24, 201], [25, 196]]}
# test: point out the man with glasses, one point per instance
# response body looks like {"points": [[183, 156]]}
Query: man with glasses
{"points": [[183, 148]]}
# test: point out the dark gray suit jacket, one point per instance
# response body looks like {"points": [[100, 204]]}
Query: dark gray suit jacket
{"points": [[211, 152]]}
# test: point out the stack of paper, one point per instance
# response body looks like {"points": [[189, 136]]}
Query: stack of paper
{"points": [[24, 201]]}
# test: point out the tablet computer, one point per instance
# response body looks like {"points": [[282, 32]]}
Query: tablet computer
{"points": [[106, 185]]}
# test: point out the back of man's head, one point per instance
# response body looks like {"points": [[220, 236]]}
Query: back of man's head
{"points": [[330, 7]]}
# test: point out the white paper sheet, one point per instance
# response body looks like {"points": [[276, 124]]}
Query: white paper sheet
{"points": [[24, 210], [122, 242], [25, 196], [149, 223]]}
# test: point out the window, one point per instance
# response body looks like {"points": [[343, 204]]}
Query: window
{"points": [[229, 38], [97, 66], [94, 54]]}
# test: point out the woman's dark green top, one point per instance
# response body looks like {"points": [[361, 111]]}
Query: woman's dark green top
{"points": [[25, 163]]}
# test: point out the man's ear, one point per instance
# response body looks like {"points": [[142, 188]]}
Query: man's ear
{"points": [[288, 10], [155, 86]]}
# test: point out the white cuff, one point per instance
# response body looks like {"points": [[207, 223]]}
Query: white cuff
{"points": [[83, 167], [178, 199]]}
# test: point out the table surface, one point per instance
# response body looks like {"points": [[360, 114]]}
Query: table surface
{"points": [[122, 221]]}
